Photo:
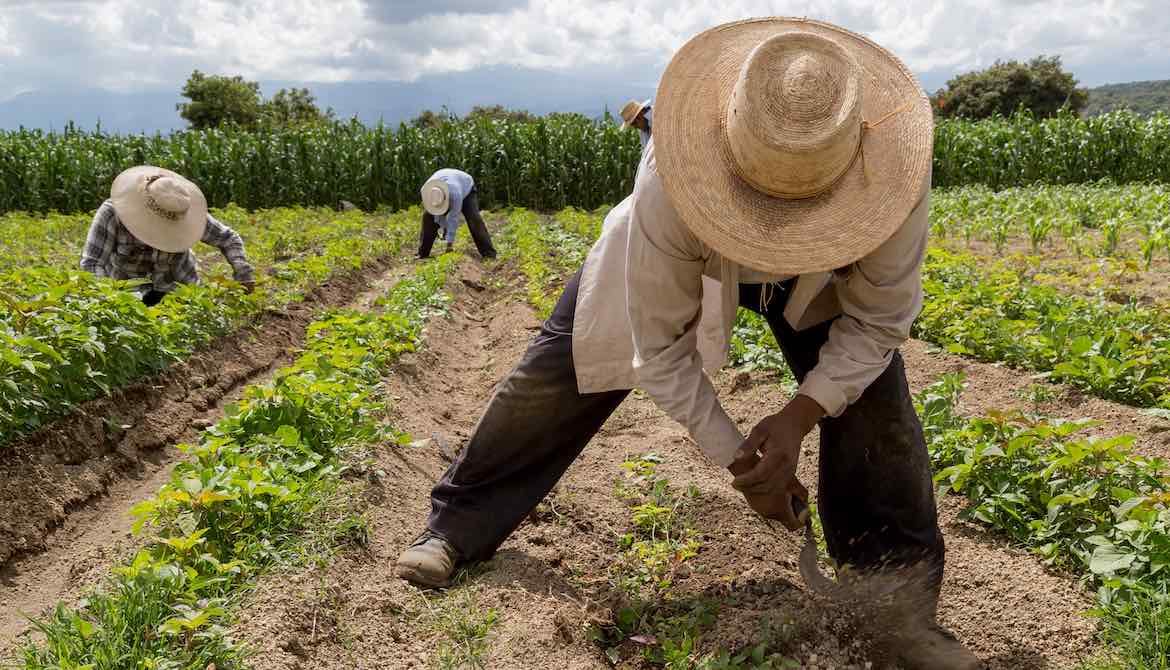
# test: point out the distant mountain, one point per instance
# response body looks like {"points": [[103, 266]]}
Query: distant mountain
{"points": [[537, 91], [1142, 97]]}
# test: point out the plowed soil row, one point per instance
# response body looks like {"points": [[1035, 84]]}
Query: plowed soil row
{"points": [[552, 577], [65, 493]]}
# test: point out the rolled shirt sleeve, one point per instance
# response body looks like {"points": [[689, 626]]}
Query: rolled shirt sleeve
{"points": [[664, 277], [231, 245], [880, 298]]}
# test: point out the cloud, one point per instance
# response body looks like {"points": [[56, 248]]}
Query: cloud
{"points": [[405, 11], [156, 43]]}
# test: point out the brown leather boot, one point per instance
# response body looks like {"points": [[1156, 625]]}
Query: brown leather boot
{"points": [[429, 561]]}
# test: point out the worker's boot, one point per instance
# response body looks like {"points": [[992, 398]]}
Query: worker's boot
{"points": [[429, 561], [450, 247], [932, 647]]}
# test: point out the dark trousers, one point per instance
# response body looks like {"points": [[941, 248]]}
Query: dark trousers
{"points": [[151, 297], [475, 224], [875, 495]]}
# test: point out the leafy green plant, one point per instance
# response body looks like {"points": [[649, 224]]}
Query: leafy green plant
{"points": [[991, 312], [241, 500], [67, 337], [1084, 504]]}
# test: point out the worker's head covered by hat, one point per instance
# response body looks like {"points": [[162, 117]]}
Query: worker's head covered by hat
{"points": [[632, 110], [436, 197], [790, 145], [161, 208]]}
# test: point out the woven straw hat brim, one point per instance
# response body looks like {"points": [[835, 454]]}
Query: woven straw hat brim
{"points": [[786, 236], [442, 208], [150, 228]]}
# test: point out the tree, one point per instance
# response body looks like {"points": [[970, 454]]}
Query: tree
{"points": [[294, 107], [1041, 85], [500, 113], [431, 119], [216, 100]]}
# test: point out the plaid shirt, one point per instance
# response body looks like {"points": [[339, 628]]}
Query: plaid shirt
{"points": [[111, 251]]}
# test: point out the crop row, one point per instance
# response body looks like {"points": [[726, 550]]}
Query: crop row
{"points": [[245, 498], [1065, 149], [544, 164], [1089, 219], [989, 311], [1083, 504], [67, 337]]}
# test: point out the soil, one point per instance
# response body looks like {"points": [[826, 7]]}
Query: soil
{"points": [[550, 579], [66, 491]]}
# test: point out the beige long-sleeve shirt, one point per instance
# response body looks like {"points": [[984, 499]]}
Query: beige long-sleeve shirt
{"points": [[655, 308]]}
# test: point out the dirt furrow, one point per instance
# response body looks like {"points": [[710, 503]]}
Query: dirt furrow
{"points": [[68, 492], [552, 577]]}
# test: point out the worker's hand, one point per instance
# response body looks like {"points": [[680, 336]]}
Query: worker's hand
{"points": [[765, 464]]}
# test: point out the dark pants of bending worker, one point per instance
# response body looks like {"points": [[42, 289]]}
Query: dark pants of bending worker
{"points": [[875, 495], [475, 224]]}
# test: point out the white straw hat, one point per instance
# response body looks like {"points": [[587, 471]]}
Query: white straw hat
{"points": [[631, 110], [791, 145], [436, 197], [160, 208]]}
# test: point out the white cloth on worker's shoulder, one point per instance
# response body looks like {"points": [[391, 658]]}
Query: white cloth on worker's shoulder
{"points": [[459, 185], [655, 307]]}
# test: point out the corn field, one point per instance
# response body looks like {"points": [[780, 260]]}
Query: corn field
{"points": [[1120, 147], [547, 164]]}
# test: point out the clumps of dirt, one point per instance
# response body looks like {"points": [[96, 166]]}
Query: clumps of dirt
{"points": [[46, 476]]}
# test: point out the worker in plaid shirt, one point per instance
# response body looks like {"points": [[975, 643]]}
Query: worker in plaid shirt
{"points": [[150, 235]]}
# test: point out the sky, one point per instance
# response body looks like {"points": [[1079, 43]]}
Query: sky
{"points": [[152, 45]]}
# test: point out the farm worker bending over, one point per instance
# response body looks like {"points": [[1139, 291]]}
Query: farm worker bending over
{"points": [[147, 228], [637, 115], [796, 185], [447, 193]]}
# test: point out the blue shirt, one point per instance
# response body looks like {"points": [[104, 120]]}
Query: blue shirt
{"points": [[645, 134], [459, 185]]}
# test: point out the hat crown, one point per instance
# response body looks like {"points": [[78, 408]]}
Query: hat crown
{"points": [[168, 195], [435, 196], [793, 121]]}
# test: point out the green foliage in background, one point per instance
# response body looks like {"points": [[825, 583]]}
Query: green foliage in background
{"points": [[1020, 150], [1040, 86], [544, 164]]}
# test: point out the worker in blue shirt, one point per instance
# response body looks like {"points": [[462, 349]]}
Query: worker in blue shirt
{"points": [[447, 193]]}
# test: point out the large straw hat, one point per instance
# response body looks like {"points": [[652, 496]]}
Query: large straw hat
{"points": [[436, 197], [631, 110], [791, 145], [160, 208]]}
